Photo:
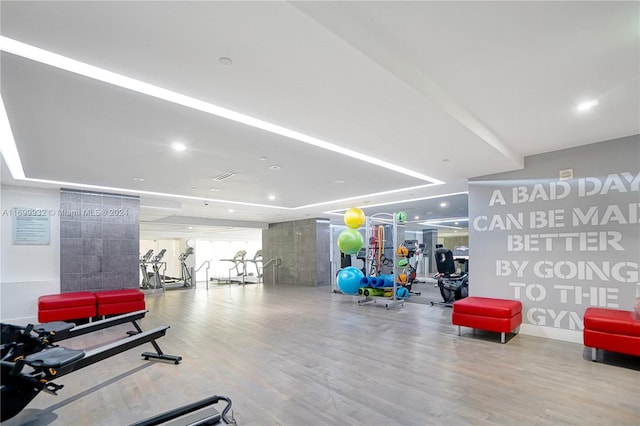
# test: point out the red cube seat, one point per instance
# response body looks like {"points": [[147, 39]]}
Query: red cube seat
{"points": [[112, 302], [486, 313], [66, 306], [612, 330]]}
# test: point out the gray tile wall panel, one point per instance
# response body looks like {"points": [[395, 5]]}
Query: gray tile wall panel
{"points": [[112, 247], [99, 241], [298, 244], [91, 229], [73, 281], [70, 229], [71, 264]]}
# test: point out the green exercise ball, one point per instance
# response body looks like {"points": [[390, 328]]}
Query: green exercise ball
{"points": [[350, 241]]}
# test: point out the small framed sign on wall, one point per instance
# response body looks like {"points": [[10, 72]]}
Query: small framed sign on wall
{"points": [[31, 226]]}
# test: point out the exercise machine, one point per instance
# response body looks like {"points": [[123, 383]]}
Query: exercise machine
{"points": [[412, 268], [257, 263], [157, 280], [452, 286], [30, 359], [197, 413], [144, 261], [185, 272], [168, 283], [239, 264]]}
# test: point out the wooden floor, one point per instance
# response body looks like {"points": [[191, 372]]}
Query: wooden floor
{"points": [[306, 356]]}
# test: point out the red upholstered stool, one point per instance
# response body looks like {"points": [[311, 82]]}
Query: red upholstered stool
{"points": [[498, 315], [611, 330], [66, 306], [112, 302]]}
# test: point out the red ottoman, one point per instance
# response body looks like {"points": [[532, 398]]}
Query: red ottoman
{"points": [[112, 302], [66, 306], [498, 315], [611, 330]]}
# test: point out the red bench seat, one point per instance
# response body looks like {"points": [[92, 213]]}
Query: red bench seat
{"points": [[485, 313], [85, 304], [66, 306], [111, 302], [611, 330]]}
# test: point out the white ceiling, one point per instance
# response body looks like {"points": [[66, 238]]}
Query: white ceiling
{"points": [[441, 91]]}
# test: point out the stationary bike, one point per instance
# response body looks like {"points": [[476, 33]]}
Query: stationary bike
{"points": [[452, 286]]}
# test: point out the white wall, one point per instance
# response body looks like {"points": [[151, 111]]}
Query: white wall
{"points": [[27, 271]]}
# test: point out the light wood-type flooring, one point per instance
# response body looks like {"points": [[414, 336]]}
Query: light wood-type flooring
{"points": [[307, 356]]}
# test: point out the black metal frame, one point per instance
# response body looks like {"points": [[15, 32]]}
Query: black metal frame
{"points": [[209, 416], [48, 361], [59, 330]]}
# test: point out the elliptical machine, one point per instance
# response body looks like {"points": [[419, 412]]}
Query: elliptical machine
{"points": [[156, 280], [185, 278], [144, 261], [452, 286]]}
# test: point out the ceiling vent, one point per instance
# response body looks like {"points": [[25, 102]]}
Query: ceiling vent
{"points": [[222, 176]]}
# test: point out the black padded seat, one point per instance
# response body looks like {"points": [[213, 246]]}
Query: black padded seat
{"points": [[54, 358]]}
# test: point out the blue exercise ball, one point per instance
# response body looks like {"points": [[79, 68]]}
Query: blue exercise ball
{"points": [[348, 280], [402, 293]]}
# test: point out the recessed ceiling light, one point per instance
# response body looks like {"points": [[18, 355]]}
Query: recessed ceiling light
{"points": [[263, 158], [444, 204], [416, 217], [215, 190], [456, 223], [230, 210], [272, 197], [178, 146], [275, 167], [138, 179], [191, 227], [587, 105], [338, 181]]}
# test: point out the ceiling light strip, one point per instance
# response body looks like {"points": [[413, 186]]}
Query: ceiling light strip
{"points": [[7, 145], [455, 219], [157, 194], [395, 202], [439, 226], [43, 56], [393, 191]]}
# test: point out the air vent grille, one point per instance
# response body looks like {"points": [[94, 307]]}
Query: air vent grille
{"points": [[222, 176]]}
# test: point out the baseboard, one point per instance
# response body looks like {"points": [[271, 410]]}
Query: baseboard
{"points": [[573, 336]]}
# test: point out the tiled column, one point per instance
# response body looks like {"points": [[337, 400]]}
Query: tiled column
{"points": [[303, 247], [99, 241]]}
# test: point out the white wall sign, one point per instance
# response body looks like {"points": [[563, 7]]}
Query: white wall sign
{"points": [[558, 246], [31, 226]]}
